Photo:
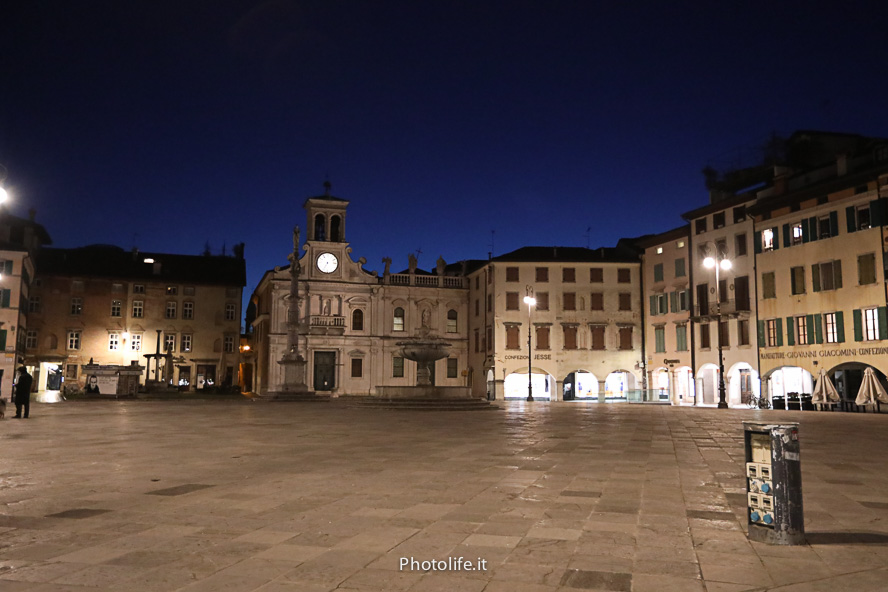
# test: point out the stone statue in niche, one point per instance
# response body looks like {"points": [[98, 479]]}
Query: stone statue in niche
{"points": [[411, 263], [388, 265], [426, 318], [326, 309]]}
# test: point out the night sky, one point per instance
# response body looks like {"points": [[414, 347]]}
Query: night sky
{"points": [[170, 125]]}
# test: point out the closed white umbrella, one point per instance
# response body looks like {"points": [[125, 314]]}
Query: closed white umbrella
{"points": [[825, 392], [870, 389]]}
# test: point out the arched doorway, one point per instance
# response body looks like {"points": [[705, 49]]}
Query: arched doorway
{"points": [[515, 385], [618, 384], [660, 383], [707, 385], [848, 376], [787, 380], [580, 385], [683, 377], [491, 386], [743, 384]]}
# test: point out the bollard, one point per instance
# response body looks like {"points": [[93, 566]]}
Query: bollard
{"points": [[774, 483]]}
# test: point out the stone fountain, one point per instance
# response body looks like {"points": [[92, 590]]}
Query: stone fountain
{"points": [[425, 349]]}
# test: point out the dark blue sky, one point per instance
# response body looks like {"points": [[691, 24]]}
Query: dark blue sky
{"points": [[171, 124]]}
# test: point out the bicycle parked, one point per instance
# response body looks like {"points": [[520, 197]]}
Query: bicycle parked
{"points": [[758, 403]]}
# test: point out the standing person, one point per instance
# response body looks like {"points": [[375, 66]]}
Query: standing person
{"points": [[23, 393]]}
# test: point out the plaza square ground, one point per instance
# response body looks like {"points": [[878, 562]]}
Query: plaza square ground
{"points": [[242, 496]]}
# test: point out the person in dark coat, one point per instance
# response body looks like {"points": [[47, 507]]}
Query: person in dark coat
{"points": [[23, 393]]}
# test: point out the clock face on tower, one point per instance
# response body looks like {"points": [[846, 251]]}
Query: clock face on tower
{"points": [[327, 262]]}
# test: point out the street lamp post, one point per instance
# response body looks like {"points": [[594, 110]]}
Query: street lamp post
{"points": [[530, 301], [720, 261]]}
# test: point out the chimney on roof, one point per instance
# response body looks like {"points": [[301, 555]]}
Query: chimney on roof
{"points": [[155, 268], [135, 253], [841, 164], [555, 252]]}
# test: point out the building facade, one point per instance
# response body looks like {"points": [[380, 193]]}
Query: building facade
{"points": [[20, 241], [179, 316], [667, 324], [350, 320], [585, 324], [820, 250]]}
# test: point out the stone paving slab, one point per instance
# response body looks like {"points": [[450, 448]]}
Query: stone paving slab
{"points": [[545, 497]]}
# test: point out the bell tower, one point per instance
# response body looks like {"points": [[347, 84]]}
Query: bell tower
{"points": [[325, 245]]}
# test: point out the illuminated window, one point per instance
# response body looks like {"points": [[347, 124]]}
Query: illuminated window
{"points": [[187, 310], [870, 324], [171, 310], [186, 342], [172, 290], [169, 342], [767, 239], [796, 233], [398, 319], [138, 309], [832, 334], [771, 332], [114, 341], [115, 308], [136, 342], [801, 326], [76, 306]]}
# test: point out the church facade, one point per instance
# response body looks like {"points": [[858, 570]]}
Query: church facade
{"points": [[349, 320]]}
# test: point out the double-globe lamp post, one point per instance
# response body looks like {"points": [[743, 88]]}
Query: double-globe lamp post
{"points": [[720, 261], [530, 301]]}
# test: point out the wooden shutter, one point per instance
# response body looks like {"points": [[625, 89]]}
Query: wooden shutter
{"points": [[761, 333], [833, 223], [815, 277], [883, 323], [786, 241], [877, 213], [851, 218], [840, 326], [818, 328], [790, 332], [779, 332], [858, 325], [813, 230]]}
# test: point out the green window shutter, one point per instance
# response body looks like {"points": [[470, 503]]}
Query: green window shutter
{"points": [[815, 278], [834, 223], [673, 301], [4, 299], [2, 339], [7, 268], [858, 325], [761, 333], [806, 233], [786, 241], [851, 218], [812, 228], [653, 305], [818, 328], [776, 235], [883, 323], [840, 326], [790, 334], [779, 332], [877, 212], [837, 273], [809, 321]]}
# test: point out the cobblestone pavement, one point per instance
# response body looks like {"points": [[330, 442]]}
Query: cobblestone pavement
{"points": [[271, 497]]}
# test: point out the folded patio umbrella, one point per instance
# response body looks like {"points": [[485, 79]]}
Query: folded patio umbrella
{"points": [[870, 389], [825, 392]]}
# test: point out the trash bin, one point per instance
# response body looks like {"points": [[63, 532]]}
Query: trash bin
{"points": [[774, 483], [778, 402]]}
